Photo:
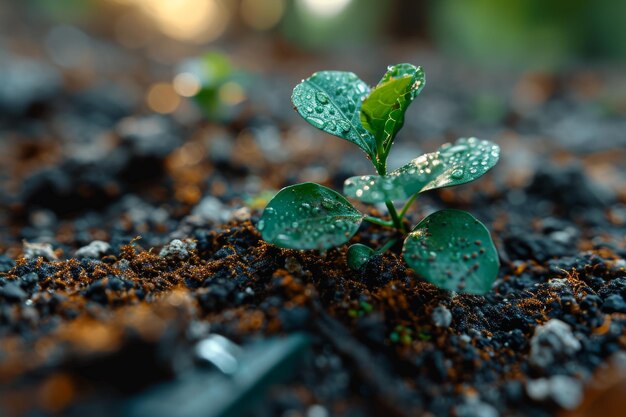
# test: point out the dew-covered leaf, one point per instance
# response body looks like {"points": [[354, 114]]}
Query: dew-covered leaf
{"points": [[401, 183], [308, 216], [400, 70], [454, 251], [358, 255], [453, 164], [465, 161], [382, 112], [331, 101]]}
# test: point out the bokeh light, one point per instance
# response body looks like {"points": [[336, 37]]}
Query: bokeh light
{"points": [[232, 93], [325, 8], [186, 84], [162, 98], [262, 15], [196, 21]]}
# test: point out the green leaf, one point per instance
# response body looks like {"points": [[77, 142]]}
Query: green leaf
{"points": [[453, 164], [358, 255], [466, 160], [454, 251], [331, 101], [401, 183], [382, 112], [308, 216]]}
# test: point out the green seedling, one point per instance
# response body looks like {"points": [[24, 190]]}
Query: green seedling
{"points": [[449, 248], [221, 87], [363, 308], [402, 334]]}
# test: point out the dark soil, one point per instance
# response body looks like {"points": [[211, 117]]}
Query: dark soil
{"points": [[91, 328]]}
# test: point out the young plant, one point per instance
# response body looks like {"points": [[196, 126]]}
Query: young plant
{"points": [[449, 248], [222, 87]]}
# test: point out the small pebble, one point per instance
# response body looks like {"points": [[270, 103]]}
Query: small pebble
{"points": [[36, 250], [123, 264], [552, 340], [178, 249], [466, 338], [558, 283], [242, 214], [564, 236], [95, 250], [441, 316], [317, 410], [565, 391], [474, 407]]}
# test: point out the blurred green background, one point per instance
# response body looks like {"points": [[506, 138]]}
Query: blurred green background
{"points": [[535, 34]]}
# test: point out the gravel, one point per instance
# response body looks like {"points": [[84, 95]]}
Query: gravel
{"points": [[552, 341], [565, 391]]}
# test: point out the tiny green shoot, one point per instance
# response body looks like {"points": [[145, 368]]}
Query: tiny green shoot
{"points": [[449, 248], [216, 85]]}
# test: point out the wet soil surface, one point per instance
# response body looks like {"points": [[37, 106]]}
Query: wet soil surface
{"points": [[128, 239]]}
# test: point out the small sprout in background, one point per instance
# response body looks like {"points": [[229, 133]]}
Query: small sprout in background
{"points": [[362, 309], [366, 307], [216, 86], [449, 248], [402, 334], [423, 335], [260, 200]]}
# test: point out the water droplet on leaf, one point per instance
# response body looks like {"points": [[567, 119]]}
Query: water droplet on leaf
{"points": [[321, 97], [457, 174], [330, 125], [343, 125]]}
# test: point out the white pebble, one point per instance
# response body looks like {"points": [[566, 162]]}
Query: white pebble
{"points": [[565, 391], [441, 316], [178, 249], [95, 250], [35, 250], [552, 340]]}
